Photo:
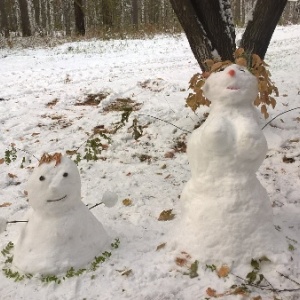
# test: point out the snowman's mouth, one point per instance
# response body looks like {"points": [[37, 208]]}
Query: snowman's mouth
{"points": [[55, 200], [233, 88]]}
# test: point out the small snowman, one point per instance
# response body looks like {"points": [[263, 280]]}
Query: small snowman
{"points": [[61, 231], [226, 212]]}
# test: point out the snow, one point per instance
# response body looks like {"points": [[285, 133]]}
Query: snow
{"points": [[224, 154], [39, 90]]}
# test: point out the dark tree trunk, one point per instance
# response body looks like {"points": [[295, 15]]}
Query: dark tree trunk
{"points": [[194, 31], [4, 21], [67, 16], [37, 10], [25, 24], [135, 14], [259, 30], [210, 30], [79, 17], [107, 15]]}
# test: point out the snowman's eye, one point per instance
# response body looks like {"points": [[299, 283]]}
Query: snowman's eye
{"points": [[221, 69], [42, 178], [65, 174], [242, 70]]}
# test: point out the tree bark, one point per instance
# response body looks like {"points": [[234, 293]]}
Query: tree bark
{"points": [[107, 13], [259, 30], [79, 17], [67, 16], [4, 21], [25, 24], [195, 33], [135, 14], [209, 27]]}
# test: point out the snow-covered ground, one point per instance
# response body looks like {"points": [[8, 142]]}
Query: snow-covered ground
{"points": [[39, 94]]}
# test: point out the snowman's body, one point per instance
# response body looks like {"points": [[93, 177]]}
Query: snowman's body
{"points": [[61, 231], [226, 213]]}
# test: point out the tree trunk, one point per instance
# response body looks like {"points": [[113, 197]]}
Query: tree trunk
{"points": [[107, 14], [260, 28], [25, 24], [67, 16], [4, 21], [209, 28], [135, 14], [207, 32], [79, 17]]}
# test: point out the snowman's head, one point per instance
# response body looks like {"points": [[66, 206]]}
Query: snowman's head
{"points": [[54, 186], [233, 85]]}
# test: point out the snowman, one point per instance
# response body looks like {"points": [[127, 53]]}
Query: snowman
{"points": [[226, 213], [61, 231]]}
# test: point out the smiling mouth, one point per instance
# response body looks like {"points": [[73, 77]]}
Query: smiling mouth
{"points": [[233, 88], [55, 200]]}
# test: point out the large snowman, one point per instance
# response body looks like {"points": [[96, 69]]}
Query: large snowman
{"points": [[61, 231], [226, 213]]}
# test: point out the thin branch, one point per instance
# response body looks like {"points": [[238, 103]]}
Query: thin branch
{"points": [[182, 129], [279, 115]]}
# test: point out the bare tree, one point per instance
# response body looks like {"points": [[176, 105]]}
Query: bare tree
{"points": [[4, 21], [25, 23], [79, 17], [135, 14]]}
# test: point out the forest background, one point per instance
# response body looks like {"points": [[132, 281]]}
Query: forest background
{"points": [[107, 19]]}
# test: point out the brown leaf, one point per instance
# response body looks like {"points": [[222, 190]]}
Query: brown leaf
{"points": [[127, 202], [181, 261], [223, 271], [241, 61], [5, 204], [239, 52], [161, 246], [169, 154], [71, 152], [166, 215], [211, 292], [288, 160], [257, 298], [12, 176], [1, 161], [35, 134]]}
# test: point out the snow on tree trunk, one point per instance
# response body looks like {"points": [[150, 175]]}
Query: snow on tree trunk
{"points": [[260, 28], [226, 213], [61, 231]]}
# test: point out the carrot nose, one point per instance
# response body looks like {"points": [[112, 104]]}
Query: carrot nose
{"points": [[231, 72]]}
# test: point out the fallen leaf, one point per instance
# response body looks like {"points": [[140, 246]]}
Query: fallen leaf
{"points": [[169, 154], [127, 272], [1, 161], [35, 133], [161, 246], [288, 160], [211, 292], [223, 271], [166, 215], [10, 175], [181, 261], [5, 204], [127, 202]]}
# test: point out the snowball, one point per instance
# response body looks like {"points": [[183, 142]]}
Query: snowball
{"points": [[109, 199]]}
